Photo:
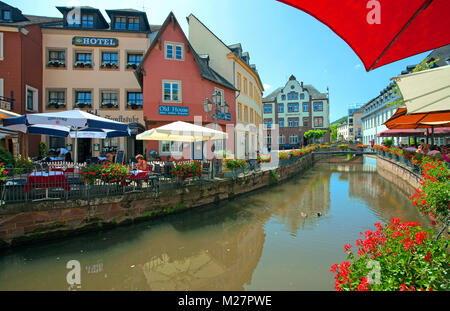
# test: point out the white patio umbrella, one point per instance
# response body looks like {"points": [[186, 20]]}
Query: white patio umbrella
{"points": [[182, 131], [426, 91], [60, 123]]}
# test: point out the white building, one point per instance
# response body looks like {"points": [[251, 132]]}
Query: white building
{"points": [[343, 132]]}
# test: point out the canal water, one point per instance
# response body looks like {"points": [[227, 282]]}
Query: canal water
{"points": [[280, 238]]}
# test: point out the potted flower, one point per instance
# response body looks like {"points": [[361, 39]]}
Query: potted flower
{"points": [[134, 106], [55, 104], [83, 104], [131, 66], [110, 104]]}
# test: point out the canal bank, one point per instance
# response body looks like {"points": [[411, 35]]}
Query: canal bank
{"points": [[270, 239], [22, 224]]}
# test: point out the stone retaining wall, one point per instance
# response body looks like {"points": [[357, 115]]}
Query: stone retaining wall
{"points": [[401, 175], [23, 223]]}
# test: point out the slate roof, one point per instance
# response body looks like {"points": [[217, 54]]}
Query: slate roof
{"points": [[443, 53], [32, 20], [314, 93], [271, 97]]}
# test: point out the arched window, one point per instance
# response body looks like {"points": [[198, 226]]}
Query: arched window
{"points": [[292, 96]]}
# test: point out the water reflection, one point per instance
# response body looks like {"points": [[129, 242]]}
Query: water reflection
{"points": [[281, 238]]}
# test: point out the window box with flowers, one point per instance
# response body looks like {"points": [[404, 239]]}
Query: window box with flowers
{"points": [[110, 104], [56, 64], [131, 66], [106, 65], [83, 105], [55, 104], [134, 106], [83, 65]]}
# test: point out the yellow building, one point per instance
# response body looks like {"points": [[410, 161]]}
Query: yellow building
{"points": [[88, 64], [235, 66]]}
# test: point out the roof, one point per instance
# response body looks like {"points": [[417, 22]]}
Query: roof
{"points": [[132, 12], [206, 71], [64, 10], [33, 20], [314, 93], [443, 53], [271, 97]]}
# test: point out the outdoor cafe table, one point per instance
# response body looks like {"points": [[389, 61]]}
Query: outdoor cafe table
{"points": [[136, 175], [46, 180]]}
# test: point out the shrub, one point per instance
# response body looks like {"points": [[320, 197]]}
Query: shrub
{"points": [[23, 165], [283, 155], [232, 164], [263, 158], [187, 169], [388, 142], [42, 149], [6, 157], [402, 255]]}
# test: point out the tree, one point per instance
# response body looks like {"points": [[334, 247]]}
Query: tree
{"points": [[314, 134]]}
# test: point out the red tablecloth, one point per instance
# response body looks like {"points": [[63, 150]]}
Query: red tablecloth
{"points": [[46, 180], [138, 175]]}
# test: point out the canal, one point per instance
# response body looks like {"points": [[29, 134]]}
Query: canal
{"points": [[284, 237]]}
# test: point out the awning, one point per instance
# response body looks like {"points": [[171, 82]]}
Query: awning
{"points": [[381, 32], [441, 131], [426, 91], [401, 120], [401, 133], [182, 131], [7, 114]]}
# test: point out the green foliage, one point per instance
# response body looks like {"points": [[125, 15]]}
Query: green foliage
{"points": [[111, 173], [333, 132], [23, 165], [315, 134], [232, 164], [42, 149], [402, 256], [6, 157], [187, 169], [274, 177], [388, 142]]}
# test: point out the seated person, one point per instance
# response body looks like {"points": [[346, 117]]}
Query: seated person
{"points": [[446, 154], [109, 157], [142, 164], [434, 151]]}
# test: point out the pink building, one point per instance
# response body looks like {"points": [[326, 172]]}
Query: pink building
{"points": [[176, 81]]}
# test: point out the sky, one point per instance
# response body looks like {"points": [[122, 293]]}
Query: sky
{"points": [[280, 39]]}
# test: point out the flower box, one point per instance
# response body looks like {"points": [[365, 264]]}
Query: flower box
{"points": [[83, 105], [134, 106], [109, 66], [56, 64], [110, 105], [83, 65], [55, 105], [131, 66]]}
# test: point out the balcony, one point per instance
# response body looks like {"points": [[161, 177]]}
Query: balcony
{"points": [[6, 103]]}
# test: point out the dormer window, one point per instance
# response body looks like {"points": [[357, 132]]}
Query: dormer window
{"points": [[6, 15], [133, 23], [120, 23], [87, 21], [123, 22]]}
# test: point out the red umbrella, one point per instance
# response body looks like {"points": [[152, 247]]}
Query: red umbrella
{"points": [[401, 133], [383, 31]]}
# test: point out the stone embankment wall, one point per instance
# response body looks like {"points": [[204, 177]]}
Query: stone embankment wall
{"points": [[399, 174], [29, 222]]}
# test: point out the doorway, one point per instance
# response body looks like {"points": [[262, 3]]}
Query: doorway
{"points": [[84, 149]]}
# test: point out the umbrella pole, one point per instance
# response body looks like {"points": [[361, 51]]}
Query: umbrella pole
{"points": [[75, 156], [432, 135]]}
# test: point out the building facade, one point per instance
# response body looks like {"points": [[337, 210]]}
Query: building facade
{"points": [[21, 70], [176, 82], [234, 65], [295, 109], [89, 64]]}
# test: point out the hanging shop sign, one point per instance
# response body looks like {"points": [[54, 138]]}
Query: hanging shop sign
{"points": [[90, 41]]}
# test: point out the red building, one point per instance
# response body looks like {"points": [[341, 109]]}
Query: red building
{"points": [[21, 66], [176, 81]]}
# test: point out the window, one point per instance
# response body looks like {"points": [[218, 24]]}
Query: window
{"points": [[1, 45], [283, 97], [133, 23], [57, 56], [239, 111], [251, 115], [251, 89], [29, 99], [56, 98], [83, 98], [292, 107], [280, 108], [120, 23], [305, 121], [6, 15], [134, 59], [55, 142], [135, 98], [267, 108], [281, 122], [110, 58], [245, 86], [281, 139], [318, 106], [245, 113], [291, 123], [268, 140], [171, 91], [302, 96], [305, 107], [174, 51], [171, 147], [83, 58], [239, 81], [318, 121], [87, 21], [73, 21], [292, 96], [293, 139], [110, 99], [296, 123]]}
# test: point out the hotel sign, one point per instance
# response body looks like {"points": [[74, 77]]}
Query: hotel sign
{"points": [[89, 41], [173, 110]]}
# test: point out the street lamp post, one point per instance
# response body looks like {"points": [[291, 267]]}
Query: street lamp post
{"points": [[217, 109]]}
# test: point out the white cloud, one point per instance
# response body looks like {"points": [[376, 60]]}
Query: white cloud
{"points": [[357, 66], [267, 86]]}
